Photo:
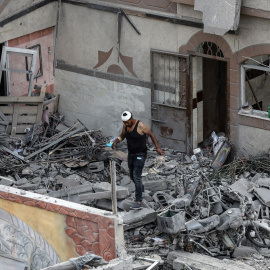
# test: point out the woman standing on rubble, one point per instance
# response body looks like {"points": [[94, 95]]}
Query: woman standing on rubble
{"points": [[135, 132]]}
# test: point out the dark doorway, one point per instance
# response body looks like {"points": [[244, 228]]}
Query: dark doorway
{"points": [[214, 96], [3, 91]]}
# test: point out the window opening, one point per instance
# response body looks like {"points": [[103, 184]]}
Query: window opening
{"points": [[169, 73], [11, 56], [209, 48], [3, 90], [255, 84], [39, 68]]}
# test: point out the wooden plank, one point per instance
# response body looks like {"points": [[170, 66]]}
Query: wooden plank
{"points": [[6, 109], [40, 106], [23, 119], [39, 112], [14, 119], [56, 104], [28, 100], [20, 128], [22, 109], [28, 109]]}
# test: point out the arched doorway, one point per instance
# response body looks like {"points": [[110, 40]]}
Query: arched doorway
{"points": [[209, 91]]}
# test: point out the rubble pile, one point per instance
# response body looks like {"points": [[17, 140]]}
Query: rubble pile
{"points": [[53, 158], [191, 204]]}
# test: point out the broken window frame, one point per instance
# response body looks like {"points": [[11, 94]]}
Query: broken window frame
{"points": [[20, 52], [37, 47], [244, 68]]}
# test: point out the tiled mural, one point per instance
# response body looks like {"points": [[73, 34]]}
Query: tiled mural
{"points": [[53, 230], [21, 242]]}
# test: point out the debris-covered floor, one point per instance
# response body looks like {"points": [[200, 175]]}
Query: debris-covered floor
{"points": [[191, 203]]}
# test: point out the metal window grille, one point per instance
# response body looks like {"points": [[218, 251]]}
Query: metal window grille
{"points": [[169, 79], [209, 48]]}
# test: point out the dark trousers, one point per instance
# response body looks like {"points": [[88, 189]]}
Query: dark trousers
{"points": [[135, 165]]}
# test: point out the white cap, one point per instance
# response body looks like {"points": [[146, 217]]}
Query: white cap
{"points": [[126, 115]]}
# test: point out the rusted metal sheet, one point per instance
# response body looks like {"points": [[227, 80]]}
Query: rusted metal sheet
{"points": [[169, 99]]}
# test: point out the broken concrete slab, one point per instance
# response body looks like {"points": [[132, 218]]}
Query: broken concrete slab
{"points": [[147, 261], [124, 166], [34, 167], [128, 183], [242, 186], [28, 186], [263, 194], [162, 198], [136, 218], [71, 191], [119, 155], [243, 251], [170, 221], [22, 181], [70, 181], [27, 171], [126, 204], [158, 185], [104, 204], [36, 180], [102, 186], [121, 193], [96, 166], [178, 259], [263, 182], [219, 16]]}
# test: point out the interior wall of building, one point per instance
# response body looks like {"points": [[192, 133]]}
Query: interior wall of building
{"points": [[18, 81]]}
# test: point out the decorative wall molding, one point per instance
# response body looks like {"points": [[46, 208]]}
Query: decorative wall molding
{"points": [[91, 232]]}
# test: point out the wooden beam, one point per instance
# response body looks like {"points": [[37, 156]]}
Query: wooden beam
{"points": [[40, 105], [27, 100], [30, 110], [14, 119]]}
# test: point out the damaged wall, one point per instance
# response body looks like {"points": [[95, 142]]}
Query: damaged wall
{"points": [[61, 231], [98, 103], [39, 19], [119, 85], [88, 46], [253, 140], [19, 84], [100, 59]]}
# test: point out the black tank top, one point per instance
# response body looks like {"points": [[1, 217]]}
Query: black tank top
{"points": [[136, 142]]}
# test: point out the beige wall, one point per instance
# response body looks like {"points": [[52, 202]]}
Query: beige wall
{"points": [[98, 103], [41, 18]]}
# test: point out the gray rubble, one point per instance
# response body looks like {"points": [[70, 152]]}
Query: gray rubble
{"points": [[179, 190]]}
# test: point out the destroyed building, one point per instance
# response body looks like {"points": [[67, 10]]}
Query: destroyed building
{"points": [[184, 67]]}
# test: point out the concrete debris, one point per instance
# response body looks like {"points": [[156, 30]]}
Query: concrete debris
{"points": [[188, 206], [135, 218], [183, 260]]}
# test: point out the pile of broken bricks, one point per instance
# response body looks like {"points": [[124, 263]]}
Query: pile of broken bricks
{"points": [[72, 163]]}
